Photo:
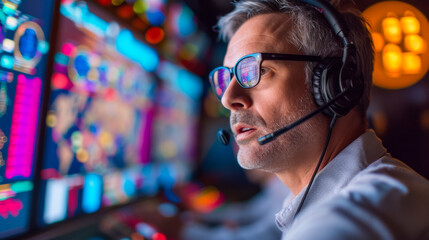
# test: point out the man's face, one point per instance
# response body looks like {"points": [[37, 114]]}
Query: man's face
{"points": [[280, 98]]}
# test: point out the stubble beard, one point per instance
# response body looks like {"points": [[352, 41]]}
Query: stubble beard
{"points": [[278, 155]]}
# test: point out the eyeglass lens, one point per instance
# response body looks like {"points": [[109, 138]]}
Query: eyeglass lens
{"points": [[246, 71]]}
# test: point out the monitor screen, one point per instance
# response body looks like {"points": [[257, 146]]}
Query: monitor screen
{"points": [[97, 150], [24, 38]]}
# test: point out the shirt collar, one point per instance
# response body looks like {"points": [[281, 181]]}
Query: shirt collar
{"points": [[334, 176]]}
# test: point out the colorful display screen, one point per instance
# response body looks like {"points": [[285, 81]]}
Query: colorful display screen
{"points": [[99, 120], [120, 118], [24, 34]]}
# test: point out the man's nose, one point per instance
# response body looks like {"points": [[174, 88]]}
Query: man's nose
{"points": [[236, 97]]}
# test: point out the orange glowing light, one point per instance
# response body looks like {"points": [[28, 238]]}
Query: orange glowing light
{"points": [[378, 40], [424, 119], [392, 28], [412, 63], [415, 43], [399, 32], [409, 23], [392, 59]]}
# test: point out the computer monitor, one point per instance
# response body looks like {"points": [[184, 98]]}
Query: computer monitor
{"points": [[96, 151], [24, 38]]}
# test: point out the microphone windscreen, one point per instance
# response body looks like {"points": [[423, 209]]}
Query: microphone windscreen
{"points": [[223, 136]]}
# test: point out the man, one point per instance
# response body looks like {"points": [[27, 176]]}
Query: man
{"points": [[360, 191]]}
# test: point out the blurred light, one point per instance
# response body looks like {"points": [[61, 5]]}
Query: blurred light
{"points": [[159, 236], [128, 186], [140, 6], [117, 2], [424, 119], [167, 209], [125, 11], [379, 120], [82, 155], [406, 27], [137, 51], [80, 14], [181, 79], [106, 139], [186, 22], [92, 191], [49, 173], [93, 74], [61, 59], [8, 45], [168, 149], [392, 59], [409, 23], [156, 4], [43, 47], [155, 17], [11, 23], [60, 81], [136, 236], [104, 2], [391, 28], [68, 49], [55, 200], [51, 119], [23, 186], [77, 139], [12, 5], [154, 35], [415, 43], [7, 61], [206, 200], [145, 229], [109, 95], [412, 63], [378, 40]]}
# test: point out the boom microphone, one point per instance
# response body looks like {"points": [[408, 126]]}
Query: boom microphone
{"points": [[223, 136], [271, 136]]}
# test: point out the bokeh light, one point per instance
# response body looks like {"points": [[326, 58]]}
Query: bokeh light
{"points": [[400, 32], [140, 6], [154, 35], [125, 11]]}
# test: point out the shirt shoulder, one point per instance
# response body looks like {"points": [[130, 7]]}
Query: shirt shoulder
{"points": [[386, 200]]}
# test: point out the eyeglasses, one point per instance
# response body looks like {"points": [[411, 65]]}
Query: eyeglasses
{"points": [[247, 70]]}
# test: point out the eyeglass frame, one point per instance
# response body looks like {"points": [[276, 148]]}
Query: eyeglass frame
{"points": [[260, 57]]}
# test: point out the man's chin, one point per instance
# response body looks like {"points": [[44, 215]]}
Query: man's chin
{"points": [[248, 160]]}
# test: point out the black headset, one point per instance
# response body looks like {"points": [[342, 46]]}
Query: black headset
{"points": [[336, 76]]}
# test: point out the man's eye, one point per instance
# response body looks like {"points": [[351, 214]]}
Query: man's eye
{"points": [[264, 71]]}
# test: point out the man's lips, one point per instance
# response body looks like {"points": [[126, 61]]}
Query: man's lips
{"points": [[243, 131]]}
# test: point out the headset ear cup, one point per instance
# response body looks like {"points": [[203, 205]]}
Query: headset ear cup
{"points": [[326, 86]]}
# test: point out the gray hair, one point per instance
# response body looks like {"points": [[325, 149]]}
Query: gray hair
{"points": [[310, 33]]}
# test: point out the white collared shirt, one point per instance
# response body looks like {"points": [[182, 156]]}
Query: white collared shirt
{"points": [[363, 193]]}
